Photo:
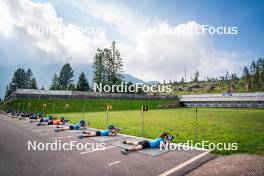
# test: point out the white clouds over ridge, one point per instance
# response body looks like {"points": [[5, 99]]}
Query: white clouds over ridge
{"points": [[152, 54], [15, 18], [157, 54]]}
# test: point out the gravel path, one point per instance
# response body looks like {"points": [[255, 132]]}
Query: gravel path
{"points": [[235, 165]]}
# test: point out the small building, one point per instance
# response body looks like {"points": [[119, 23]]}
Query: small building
{"points": [[234, 100]]}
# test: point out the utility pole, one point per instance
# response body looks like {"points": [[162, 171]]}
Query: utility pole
{"points": [[185, 74], [196, 124], [143, 109]]}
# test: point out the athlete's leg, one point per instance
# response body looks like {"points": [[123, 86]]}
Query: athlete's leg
{"points": [[130, 142], [87, 134], [62, 128]]}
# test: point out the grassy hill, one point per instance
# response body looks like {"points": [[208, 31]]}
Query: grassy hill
{"points": [[203, 87], [77, 105]]}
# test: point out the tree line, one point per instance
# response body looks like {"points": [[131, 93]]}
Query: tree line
{"points": [[21, 79], [253, 76], [107, 69], [64, 81]]}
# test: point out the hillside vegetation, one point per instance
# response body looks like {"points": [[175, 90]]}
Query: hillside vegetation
{"points": [[77, 105]]}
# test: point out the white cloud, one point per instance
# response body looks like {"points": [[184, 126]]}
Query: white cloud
{"points": [[150, 54], [163, 55], [157, 55], [15, 18], [128, 22]]}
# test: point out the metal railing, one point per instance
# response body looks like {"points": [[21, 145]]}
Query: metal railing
{"points": [[60, 94], [259, 96]]}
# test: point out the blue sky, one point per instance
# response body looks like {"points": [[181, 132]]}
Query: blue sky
{"points": [[247, 15], [135, 26]]}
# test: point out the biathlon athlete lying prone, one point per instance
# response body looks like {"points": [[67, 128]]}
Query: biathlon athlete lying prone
{"points": [[163, 138], [111, 131], [38, 118], [62, 121], [44, 120], [79, 126]]}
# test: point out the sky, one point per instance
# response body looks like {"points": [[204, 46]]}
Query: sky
{"points": [[142, 29]]}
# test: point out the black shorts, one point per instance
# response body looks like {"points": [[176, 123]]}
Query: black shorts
{"points": [[144, 144], [98, 133], [50, 123], [71, 127]]}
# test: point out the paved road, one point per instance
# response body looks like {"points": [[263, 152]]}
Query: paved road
{"points": [[16, 159]]}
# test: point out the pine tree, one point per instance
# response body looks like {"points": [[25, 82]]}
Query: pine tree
{"points": [[114, 66], [196, 76], [19, 81], [246, 78], [107, 66], [30, 81], [28, 78], [99, 67], [260, 70], [33, 83], [256, 77], [55, 83], [65, 78], [8, 91], [71, 87], [82, 84]]}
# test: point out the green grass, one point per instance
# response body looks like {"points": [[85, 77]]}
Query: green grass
{"points": [[77, 105], [244, 126], [224, 125]]}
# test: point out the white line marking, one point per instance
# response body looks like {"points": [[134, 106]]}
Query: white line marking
{"points": [[62, 137], [44, 134], [183, 164], [44, 130], [90, 151], [116, 162]]}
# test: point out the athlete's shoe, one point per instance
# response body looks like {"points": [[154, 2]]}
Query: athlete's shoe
{"points": [[57, 130], [123, 141], [124, 151], [81, 137]]}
